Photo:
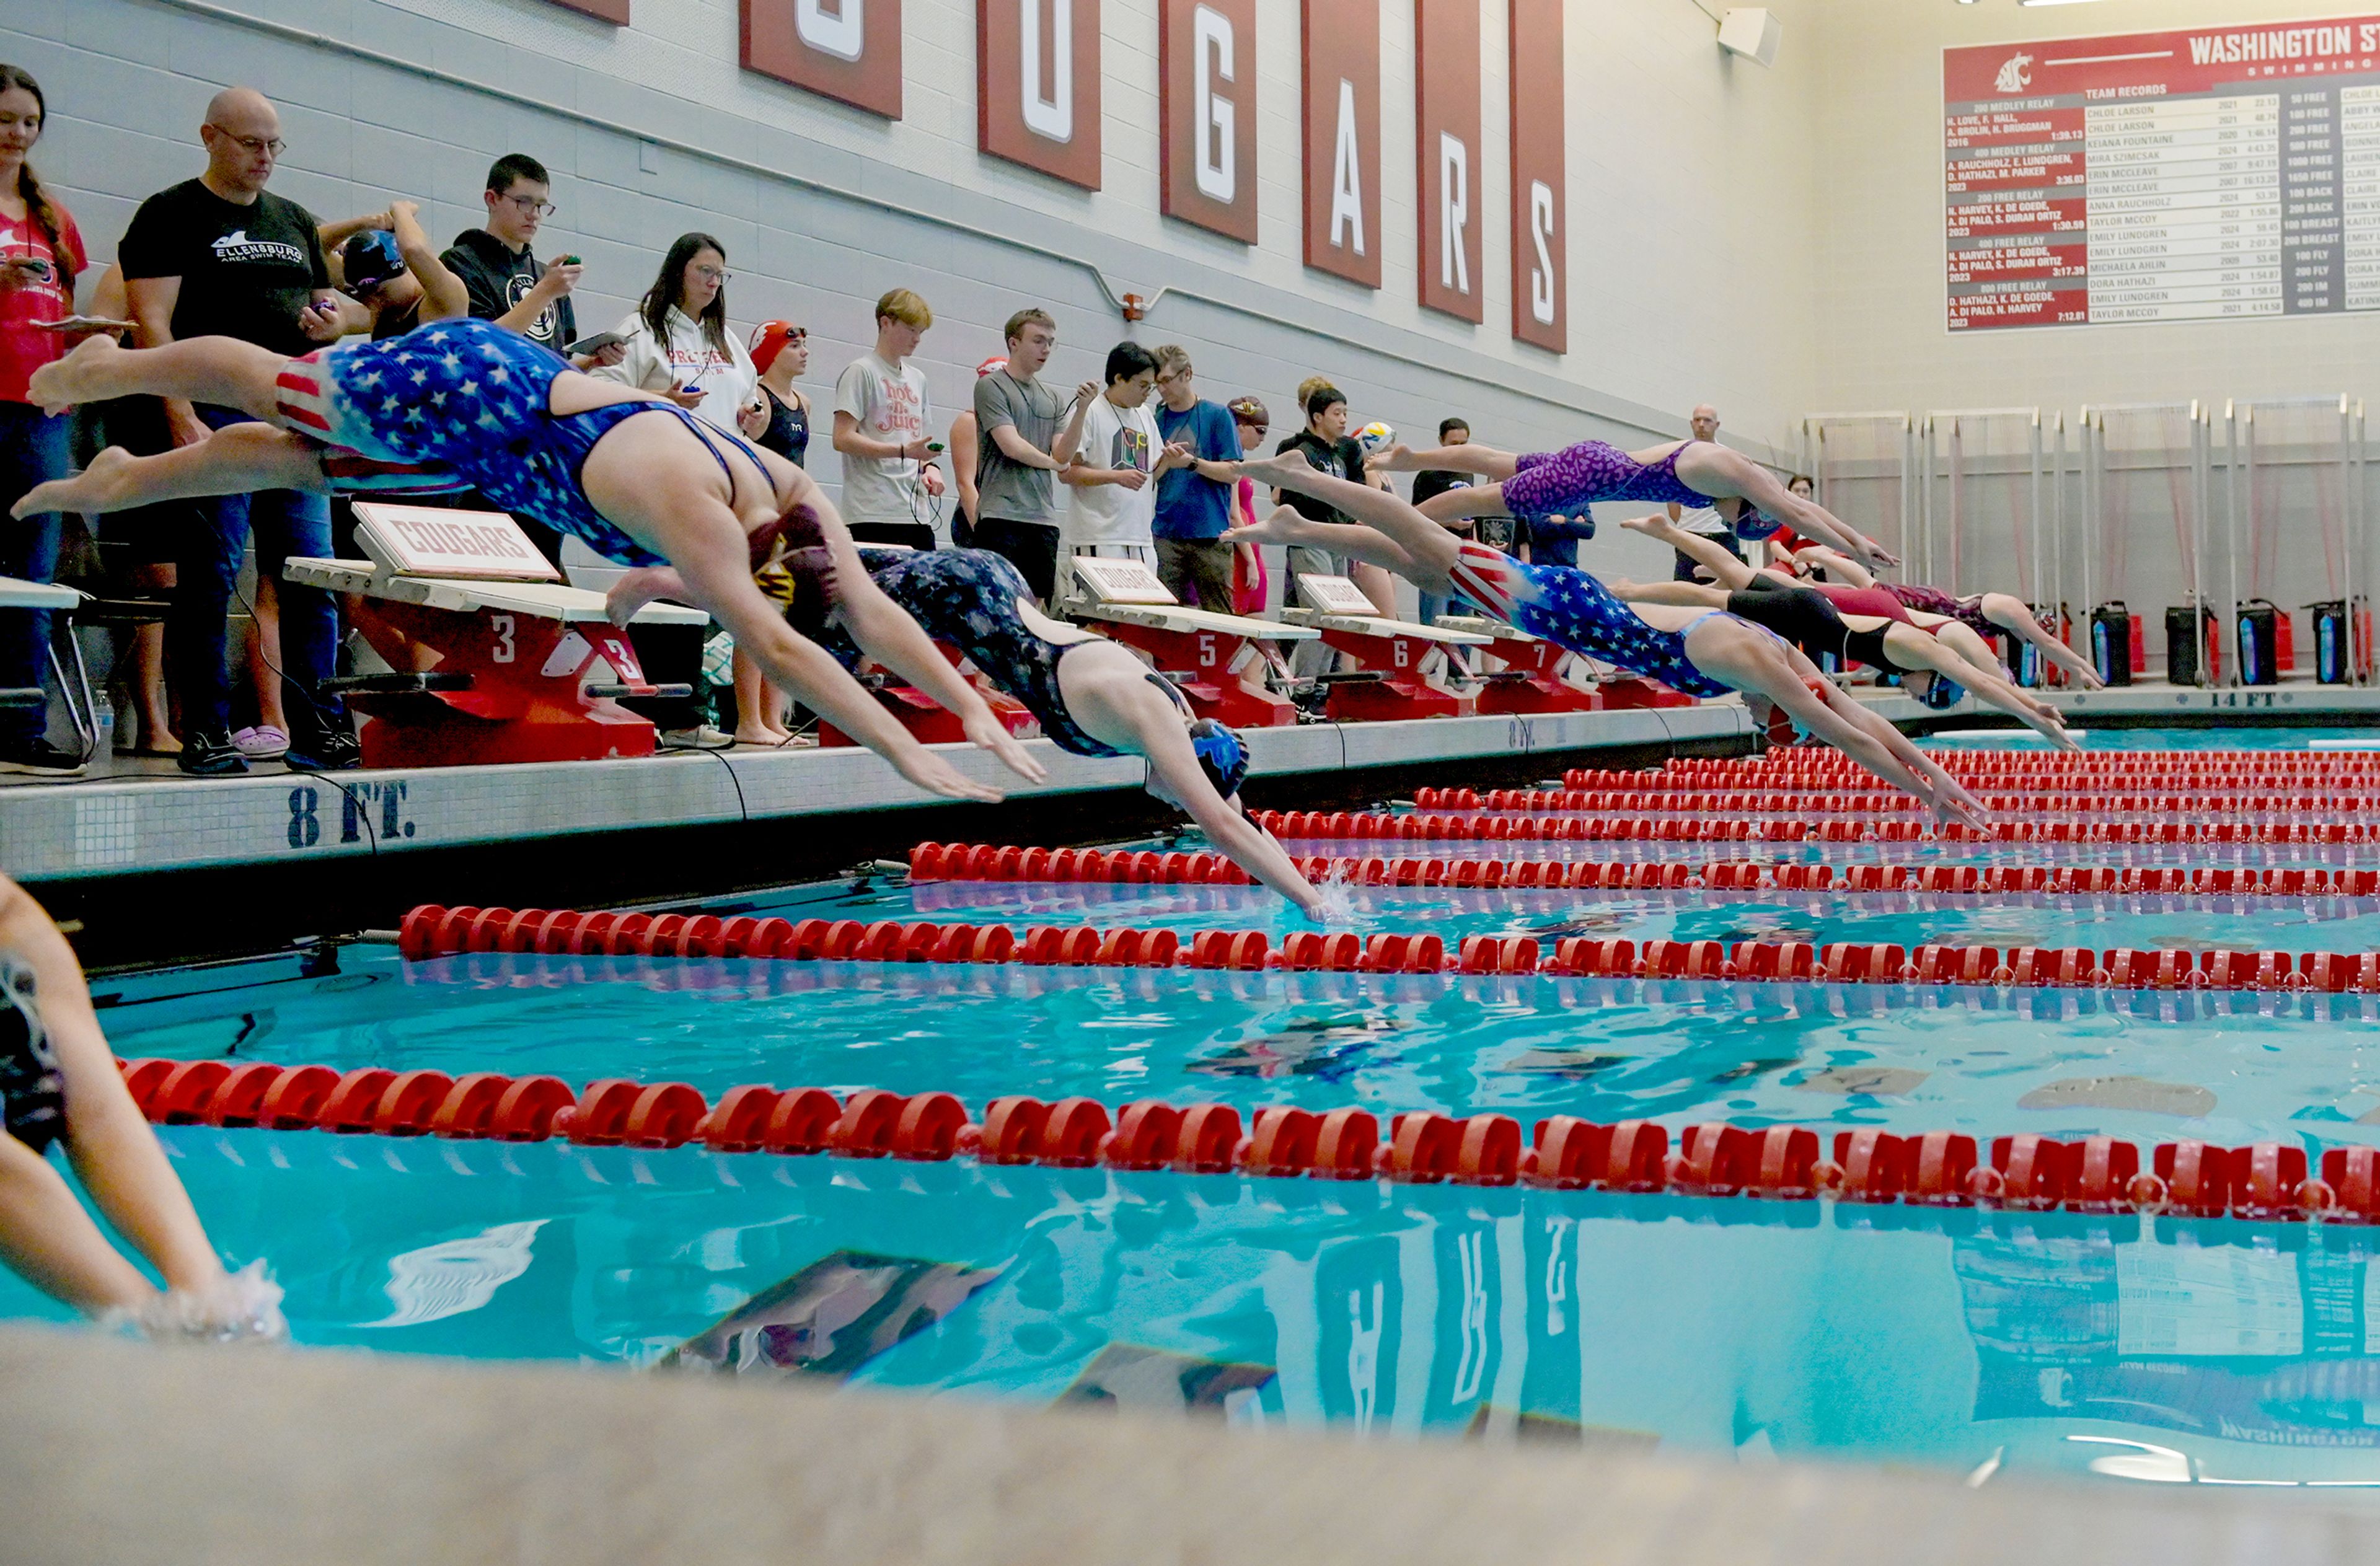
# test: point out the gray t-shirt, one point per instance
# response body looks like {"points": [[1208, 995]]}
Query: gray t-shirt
{"points": [[1011, 490]]}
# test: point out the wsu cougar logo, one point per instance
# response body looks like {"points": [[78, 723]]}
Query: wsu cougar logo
{"points": [[2016, 76]]}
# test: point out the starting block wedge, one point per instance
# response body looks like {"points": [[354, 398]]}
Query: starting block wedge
{"points": [[525, 668], [1531, 675], [927, 721], [1219, 663], [1404, 666]]}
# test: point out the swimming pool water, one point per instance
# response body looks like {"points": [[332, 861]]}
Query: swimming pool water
{"points": [[2164, 1350]]}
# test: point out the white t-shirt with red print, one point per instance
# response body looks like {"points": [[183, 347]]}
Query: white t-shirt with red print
{"points": [[889, 404]]}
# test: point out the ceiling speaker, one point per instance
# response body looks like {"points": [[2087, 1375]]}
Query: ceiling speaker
{"points": [[1753, 32]]}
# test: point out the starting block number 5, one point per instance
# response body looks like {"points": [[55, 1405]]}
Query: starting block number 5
{"points": [[504, 626]]}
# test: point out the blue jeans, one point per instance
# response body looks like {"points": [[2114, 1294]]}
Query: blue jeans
{"points": [[33, 451], [284, 522]]}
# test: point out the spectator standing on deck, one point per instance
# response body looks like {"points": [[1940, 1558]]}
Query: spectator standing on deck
{"points": [[1325, 445], [1703, 519], [676, 340], [222, 256], [777, 419], [41, 252], [508, 285], [889, 479], [1194, 502], [1118, 464], [1250, 585], [1020, 449], [965, 446], [1434, 481]]}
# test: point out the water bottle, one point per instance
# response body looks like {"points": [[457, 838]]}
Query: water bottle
{"points": [[103, 724]]}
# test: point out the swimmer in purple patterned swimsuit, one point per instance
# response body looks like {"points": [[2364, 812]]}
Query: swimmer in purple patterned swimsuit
{"points": [[1688, 473], [629, 472], [1705, 652]]}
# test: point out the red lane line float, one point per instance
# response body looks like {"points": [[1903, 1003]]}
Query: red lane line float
{"points": [[2265, 1182]]}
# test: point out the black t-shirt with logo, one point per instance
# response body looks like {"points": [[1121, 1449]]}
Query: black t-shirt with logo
{"points": [[498, 278], [1340, 459], [246, 271]]}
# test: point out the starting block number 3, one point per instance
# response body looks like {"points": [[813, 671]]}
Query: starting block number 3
{"points": [[504, 626]]}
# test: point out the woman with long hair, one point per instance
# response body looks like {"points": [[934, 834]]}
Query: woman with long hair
{"points": [[41, 252], [676, 340]]}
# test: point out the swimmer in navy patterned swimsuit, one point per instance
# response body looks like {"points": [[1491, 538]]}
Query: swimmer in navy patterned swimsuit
{"points": [[1569, 483], [1707, 653], [633, 474], [1092, 696]]}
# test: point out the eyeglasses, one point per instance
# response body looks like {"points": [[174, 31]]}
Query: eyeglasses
{"points": [[532, 206], [253, 145], [714, 274]]}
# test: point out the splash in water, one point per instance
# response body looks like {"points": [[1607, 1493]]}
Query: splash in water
{"points": [[1338, 891]]}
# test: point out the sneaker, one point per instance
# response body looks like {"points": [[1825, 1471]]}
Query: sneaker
{"points": [[264, 743], [211, 756], [39, 759], [703, 739], [333, 750]]}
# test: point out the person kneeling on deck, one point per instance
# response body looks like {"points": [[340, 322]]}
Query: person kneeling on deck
{"points": [[1092, 696]]}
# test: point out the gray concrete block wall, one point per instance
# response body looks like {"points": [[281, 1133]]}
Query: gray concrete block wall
{"points": [[128, 81]]}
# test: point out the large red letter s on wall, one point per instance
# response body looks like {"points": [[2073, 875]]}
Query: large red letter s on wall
{"points": [[1343, 139], [1037, 71], [1540, 199], [1207, 74], [846, 49]]}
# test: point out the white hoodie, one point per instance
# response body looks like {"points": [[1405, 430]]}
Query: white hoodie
{"points": [[686, 360]]}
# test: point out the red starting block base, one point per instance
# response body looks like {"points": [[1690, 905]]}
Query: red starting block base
{"points": [[1634, 693], [1540, 687], [931, 725], [1213, 690], [1402, 691], [527, 696]]}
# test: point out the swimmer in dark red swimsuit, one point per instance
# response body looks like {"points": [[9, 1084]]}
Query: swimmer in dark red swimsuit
{"points": [[629, 471]]}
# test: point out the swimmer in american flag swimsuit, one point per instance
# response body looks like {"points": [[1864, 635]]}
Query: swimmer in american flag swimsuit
{"points": [[632, 474], [1701, 652], [1567, 483]]}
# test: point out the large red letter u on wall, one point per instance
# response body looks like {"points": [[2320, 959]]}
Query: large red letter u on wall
{"points": [[1037, 72], [846, 49]]}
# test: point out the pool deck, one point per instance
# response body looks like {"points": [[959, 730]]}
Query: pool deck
{"points": [[124, 1452]]}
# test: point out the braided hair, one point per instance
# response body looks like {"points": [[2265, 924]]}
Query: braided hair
{"points": [[46, 213]]}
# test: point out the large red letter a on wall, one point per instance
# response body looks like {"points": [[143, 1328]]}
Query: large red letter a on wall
{"points": [[846, 49], [1343, 139]]}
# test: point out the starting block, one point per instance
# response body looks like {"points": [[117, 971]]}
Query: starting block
{"points": [[1404, 665], [1531, 675], [926, 720], [528, 668], [1219, 663]]}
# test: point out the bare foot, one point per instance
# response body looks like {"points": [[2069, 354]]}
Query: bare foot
{"points": [[1269, 529], [636, 587], [1652, 526], [1282, 470], [755, 733], [84, 375], [103, 486]]}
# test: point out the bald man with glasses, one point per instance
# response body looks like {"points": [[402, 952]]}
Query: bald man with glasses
{"points": [[222, 256]]}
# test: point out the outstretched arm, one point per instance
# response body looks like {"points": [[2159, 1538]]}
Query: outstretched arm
{"points": [[48, 1236], [1725, 568], [1174, 766], [2012, 614], [1837, 564]]}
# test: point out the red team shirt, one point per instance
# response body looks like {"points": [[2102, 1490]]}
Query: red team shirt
{"points": [[23, 347]]}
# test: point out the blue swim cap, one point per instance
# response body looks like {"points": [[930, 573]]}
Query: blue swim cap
{"points": [[369, 259], [1944, 693], [1222, 754]]}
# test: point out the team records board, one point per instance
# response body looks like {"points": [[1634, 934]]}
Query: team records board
{"points": [[2199, 176]]}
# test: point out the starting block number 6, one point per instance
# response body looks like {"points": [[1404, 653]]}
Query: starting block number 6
{"points": [[504, 626]]}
